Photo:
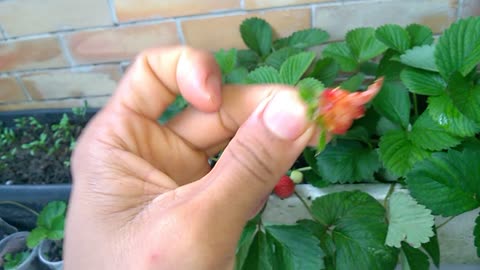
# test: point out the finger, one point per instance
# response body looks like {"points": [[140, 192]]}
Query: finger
{"points": [[263, 149], [207, 131], [159, 75]]}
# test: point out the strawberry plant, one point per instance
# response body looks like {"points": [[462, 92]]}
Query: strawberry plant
{"points": [[420, 132], [50, 224]]}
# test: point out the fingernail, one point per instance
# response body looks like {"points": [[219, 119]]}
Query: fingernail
{"points": [[213, 85], [285, 116]]}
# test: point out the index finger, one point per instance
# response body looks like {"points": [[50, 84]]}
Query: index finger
{"points": [[159, 75]]}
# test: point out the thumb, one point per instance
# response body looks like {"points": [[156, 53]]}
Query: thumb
{"points": [[263, 149]]}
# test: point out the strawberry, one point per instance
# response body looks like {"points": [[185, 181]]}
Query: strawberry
{"points": [[285, 187], [338, 108], [296, 176]]}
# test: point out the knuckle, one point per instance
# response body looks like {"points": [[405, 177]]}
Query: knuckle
{"points": [[254, 157]]}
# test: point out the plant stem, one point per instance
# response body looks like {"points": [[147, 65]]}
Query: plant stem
{"points": [[304, 169], [445, 222], [415, 104], [389, 193], [21, 206], [309, 209]]}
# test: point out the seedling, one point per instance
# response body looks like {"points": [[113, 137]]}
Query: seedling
{"points": [[81, 111], [50, 224], [37, 145], [12, 261]]}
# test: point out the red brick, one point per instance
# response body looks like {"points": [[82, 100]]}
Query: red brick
{"points": [[118, 44], [31, 54], [128, 10], [223, 31]]}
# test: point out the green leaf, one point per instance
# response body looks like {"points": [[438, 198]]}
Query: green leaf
{"points": [[295, 66], [356, 222], [458, 48], [414, 259], [342, 54], [257, 35], [394, 36], [326, 71], [175, 108], [423, 82], [263, 75], [50, 212], [465, 96], [299, 248], [277, 58], [347, 162], [364, 44], [36, 236], [429, 135], [399, 154], [420, 35], [408, 221], [390, 70], [309, 90], [56, 231], [447, 183], [55, 235], [314, 179], [442, 111], [393, 103], [353, 83], [384, 126], [433, 249], [369, 68], [326, 241], [244, 244], [322, 141], [260, 254], [226, 60], [369, 121], [476, 235], [357, 133], [12, 261], [303, 39], [420, 57], [314, 228], [237, 76], [247, 59]]}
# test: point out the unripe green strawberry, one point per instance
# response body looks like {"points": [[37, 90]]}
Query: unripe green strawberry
{"points": [[296, 176], [285, 187]]}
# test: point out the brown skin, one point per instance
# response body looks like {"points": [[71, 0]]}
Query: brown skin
{"points": [[144, 196]]}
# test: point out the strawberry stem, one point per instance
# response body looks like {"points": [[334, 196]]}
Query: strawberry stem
{"points": [[303, 169], [415, 105], [310, 210]]}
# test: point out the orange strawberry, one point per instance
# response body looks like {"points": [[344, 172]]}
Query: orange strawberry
{"points": [[338, 108]]}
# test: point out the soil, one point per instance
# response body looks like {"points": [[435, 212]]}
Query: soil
{"points": [[55, 251], [48, 163]]}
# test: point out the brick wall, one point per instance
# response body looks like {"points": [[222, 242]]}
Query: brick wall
{"points": [[57, 53]]}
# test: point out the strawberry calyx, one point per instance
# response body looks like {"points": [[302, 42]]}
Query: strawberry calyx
{"points": [[338, 108]]}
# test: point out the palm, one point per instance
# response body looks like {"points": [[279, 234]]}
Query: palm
{"points": [[144, 159]]}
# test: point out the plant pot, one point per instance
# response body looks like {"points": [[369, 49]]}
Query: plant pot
{"points": [[44, 248], [34, 196], [30, 196], [45, 116], [17, 242]]}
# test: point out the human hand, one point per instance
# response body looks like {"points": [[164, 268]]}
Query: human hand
{"points": [[144, 195]]}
